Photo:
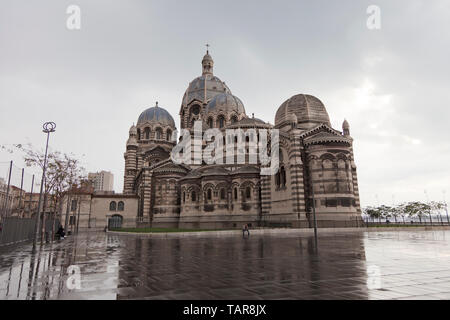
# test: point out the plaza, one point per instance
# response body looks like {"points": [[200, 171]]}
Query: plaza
{"points": [[353, 264]]}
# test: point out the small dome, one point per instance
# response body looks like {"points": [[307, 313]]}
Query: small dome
{"points": [[225, 102], [308, 109], [157, 114], [250, 123]]}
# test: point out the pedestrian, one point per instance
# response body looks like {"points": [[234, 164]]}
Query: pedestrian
{"points": [[245, 229], [60, 233]]}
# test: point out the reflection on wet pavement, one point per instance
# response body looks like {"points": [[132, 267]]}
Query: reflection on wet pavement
{"points": [[357, 265]]}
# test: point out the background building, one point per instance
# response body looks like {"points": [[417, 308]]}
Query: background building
{"points": [[102, 181]]}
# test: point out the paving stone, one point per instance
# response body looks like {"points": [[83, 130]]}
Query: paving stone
{"points": [[408, 265]]}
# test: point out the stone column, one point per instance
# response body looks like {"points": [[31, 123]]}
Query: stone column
{"points": [[148, 201], [130, 169], [266, 206], [355, 181], [297, 179]]}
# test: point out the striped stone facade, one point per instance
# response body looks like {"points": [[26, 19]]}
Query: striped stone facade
{"points": [[317, 172]]}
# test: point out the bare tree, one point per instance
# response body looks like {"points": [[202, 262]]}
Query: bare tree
{"points": [[64, 171]]}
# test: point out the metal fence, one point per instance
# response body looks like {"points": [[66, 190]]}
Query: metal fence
{"points": [[425, 220], [15, 229], [19, 195]]}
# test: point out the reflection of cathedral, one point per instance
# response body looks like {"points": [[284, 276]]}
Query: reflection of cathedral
{"points": [[312, 155]]}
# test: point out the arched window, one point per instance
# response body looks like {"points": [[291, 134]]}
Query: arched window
{"points": [[283, 177], [280, 156], [112, 206], [147, 133], [327, 164], [248, 193], [222, 194], [139, 134], [193, 196], [221, 121], [278, 179], [169, 135], [120, 206], [235, 193], [234, 119], [210, 122], [158, 133], [184, 197], [74, 205], [209, 194]]}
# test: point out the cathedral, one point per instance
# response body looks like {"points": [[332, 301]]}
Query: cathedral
{"points": [[316, 173]]}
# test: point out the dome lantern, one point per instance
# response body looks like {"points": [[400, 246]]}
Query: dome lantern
{"points": [[133, 131], [345, 128], [207, 64]]}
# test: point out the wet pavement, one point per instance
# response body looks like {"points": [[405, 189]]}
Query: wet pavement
{"points": [[356, 265]]}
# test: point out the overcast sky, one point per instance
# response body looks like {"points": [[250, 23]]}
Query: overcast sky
{"points": [[392, 84]]}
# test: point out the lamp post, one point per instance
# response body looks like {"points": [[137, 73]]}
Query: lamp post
{"points": [[313, 206], [48, 128]]}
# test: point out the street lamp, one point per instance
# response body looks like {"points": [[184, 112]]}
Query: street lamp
{"points": [[313, 207], [48, 128]]}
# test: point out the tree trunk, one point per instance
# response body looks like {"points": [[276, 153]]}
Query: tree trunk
{"points": [[78, 218], [67, 212], [53, 221], [43, 218]]}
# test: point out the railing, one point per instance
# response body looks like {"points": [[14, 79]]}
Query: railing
{"points": [[15, 229], [434, 220]]}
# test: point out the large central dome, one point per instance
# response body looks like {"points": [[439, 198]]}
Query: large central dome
{"points": [[205, 87]]}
